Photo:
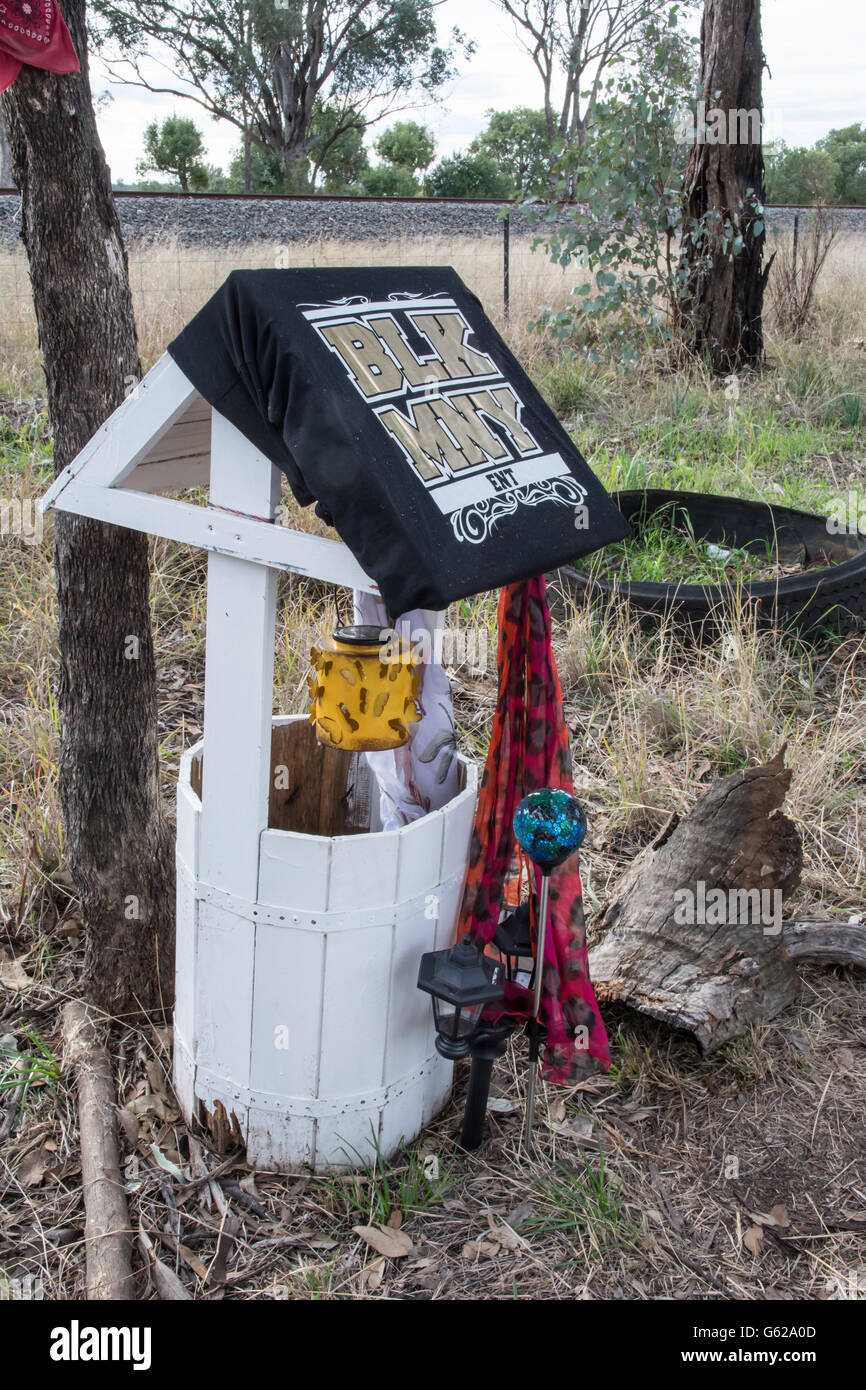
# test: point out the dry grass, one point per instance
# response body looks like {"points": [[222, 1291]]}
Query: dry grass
{"points": [[655, 719], [645, 1183], [170, 283], [841, 312], [647, 1180]]}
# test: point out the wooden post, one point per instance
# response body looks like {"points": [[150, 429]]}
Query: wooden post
{"points": [[506, 263], [239, 681], [239, 674]]}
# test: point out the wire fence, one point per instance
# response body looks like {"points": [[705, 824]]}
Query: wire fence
{"points": [[171, 281], [182, 249]]}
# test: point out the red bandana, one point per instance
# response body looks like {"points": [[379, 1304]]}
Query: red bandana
{"points": [[33, 32], [528, 750]]}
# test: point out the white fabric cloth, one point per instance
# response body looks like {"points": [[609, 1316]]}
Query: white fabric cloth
{"points": [[422, 775]]}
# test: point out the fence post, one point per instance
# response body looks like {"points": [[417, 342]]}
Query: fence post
{"points": [[796, 241], [506, 258]]}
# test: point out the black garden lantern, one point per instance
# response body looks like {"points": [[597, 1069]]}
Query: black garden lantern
{"points": [[513, 941], [461, 981]]}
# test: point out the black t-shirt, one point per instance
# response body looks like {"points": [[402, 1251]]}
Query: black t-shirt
{"points": [[388, 399]]}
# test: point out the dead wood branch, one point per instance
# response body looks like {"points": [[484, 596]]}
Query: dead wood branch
{"points": [[710, 973], [106, 1227], [831, 943]]}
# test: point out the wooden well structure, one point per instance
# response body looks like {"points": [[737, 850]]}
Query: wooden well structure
{"points": [[300, 923]]}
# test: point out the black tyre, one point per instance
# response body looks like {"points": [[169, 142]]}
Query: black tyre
{"points": [[833, 595]]}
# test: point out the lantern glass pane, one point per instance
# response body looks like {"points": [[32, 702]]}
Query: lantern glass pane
{"points": [[456, 1020]]}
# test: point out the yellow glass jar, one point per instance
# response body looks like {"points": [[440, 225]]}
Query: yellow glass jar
{"points": [[364, 691]]}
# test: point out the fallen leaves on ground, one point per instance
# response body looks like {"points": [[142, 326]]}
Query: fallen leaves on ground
{"points": [[753, 1239], [12, 973], [385, 1241], [34, 1166]]}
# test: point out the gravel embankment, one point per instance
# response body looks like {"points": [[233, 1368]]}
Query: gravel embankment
{"points": [[205, 220]]}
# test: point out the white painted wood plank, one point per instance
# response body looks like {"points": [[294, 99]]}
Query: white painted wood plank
{"points": [[183, 1077], [241, 536], [223, 993], [420, 854], [347, 1141], [402, 1119], [241, 476], [239, 677], [450, 895], [355, 1011], [437, 1087], [187, 833], [148, 412], [458, 832], [363, 871], [279, 1142], [185, 952], [287, 1004], [410, 1016], [293, 871]]}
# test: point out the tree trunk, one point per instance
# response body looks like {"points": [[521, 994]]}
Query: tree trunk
{"points": [[5, 156], [724, 192], [295, 97], [118, 841], [693, 935], [248, 162]]}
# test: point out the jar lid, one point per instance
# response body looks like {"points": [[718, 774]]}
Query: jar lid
{"points": [[363, 635]]}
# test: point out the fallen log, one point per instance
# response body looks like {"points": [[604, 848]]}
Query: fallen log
{"points": [[829, 943], [681, 940], [107, 1235]]}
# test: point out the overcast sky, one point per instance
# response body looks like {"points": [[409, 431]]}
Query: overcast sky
{"points": [[816, 53]]}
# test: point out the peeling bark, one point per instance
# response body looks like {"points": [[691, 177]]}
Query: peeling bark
{"points": [[724, 302], [118, 842], [5, 156]]}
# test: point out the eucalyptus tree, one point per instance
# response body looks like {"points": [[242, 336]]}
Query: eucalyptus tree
{"points": [[723, 232], [267, 66], [118, 841], [573, 45]]}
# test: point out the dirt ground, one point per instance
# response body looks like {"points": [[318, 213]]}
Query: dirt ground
{"points": [[739, 1176]]}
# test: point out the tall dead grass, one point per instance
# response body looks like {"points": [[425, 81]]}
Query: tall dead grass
{"points": [[171, 282], [655, 718]]}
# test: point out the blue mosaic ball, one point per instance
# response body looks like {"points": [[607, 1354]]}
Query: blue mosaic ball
{"points": [[550, 825]]}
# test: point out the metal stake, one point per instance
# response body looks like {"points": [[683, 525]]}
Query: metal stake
{"points": [[536, 1006], [506, 263], [487, 1046]]}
